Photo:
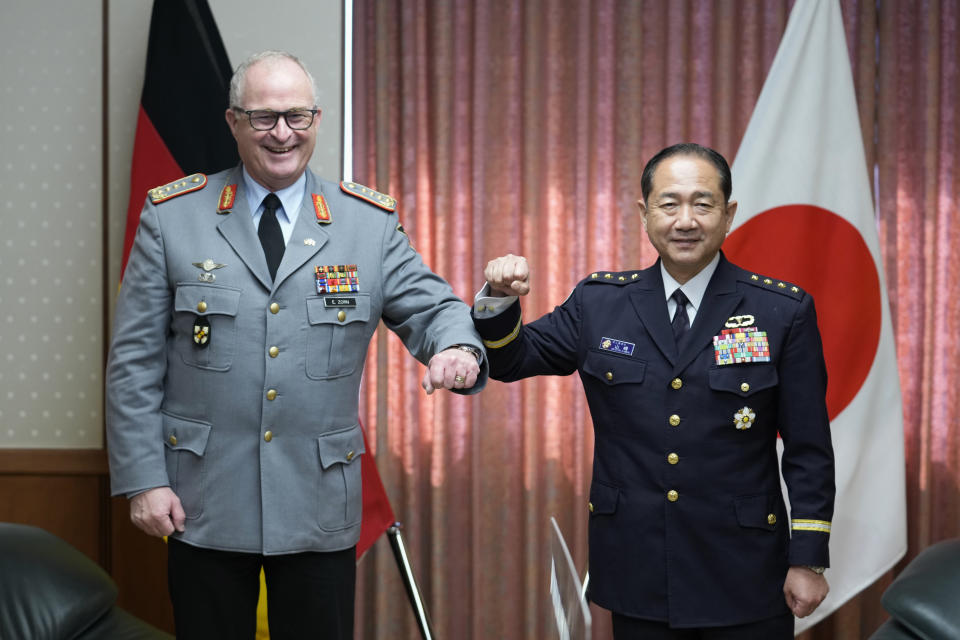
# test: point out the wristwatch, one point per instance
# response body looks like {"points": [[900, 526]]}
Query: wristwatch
{"points": [[817, 570], [476, 353]]}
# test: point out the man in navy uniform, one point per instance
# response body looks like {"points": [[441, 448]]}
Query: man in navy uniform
{"points": [[691, 368], [232, 385]]}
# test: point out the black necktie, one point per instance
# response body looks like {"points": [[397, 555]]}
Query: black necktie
{"points": [[681, 322], [271, 238]]}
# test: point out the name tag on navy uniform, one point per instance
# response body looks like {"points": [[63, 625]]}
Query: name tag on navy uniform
{"points": [[617, 346]]}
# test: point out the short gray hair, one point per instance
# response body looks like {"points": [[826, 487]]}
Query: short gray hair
{"points": [[239, 79]]}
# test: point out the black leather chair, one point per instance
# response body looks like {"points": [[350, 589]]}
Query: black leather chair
{"points": [[924, 600], [51, 591]]}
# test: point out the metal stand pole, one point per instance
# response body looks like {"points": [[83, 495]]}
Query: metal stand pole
{"points": [[406, 572]]}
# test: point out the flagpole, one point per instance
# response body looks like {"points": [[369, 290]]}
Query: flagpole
{"points": [[409, 581]]}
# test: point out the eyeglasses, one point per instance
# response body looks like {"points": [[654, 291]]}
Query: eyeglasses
{"points": [[265, 119]]}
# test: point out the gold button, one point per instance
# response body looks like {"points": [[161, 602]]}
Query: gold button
{"points": [[274, 352], [201, 306], [771, 518], [609, 375], [268, 436], [590, 506], [672, 495], [173, 440], [673, 458], [744, 386], [674, 420], [272, 394], [341, 315], [350, 455], [676, 383], [274, 308]]}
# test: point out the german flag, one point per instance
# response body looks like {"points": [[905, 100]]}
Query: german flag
{"points": [[180, 127]]}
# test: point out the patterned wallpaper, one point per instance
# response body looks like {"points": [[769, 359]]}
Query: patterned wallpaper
{"points": [[52, 267], [51, 183]]}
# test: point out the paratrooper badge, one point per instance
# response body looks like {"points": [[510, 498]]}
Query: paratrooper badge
{"points": [[208, 265]]}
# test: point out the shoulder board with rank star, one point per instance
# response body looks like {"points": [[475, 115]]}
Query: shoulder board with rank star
{"points": [[227, 195], [773, 284], [321, 209], [382, 200], [178, 187], [613, 277]]}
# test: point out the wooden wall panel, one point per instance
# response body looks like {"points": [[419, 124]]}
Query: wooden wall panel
{"points": [[60, 490], [66, 506]]}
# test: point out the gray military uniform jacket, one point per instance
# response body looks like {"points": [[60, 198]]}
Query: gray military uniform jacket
{"points": [[257, 430]]}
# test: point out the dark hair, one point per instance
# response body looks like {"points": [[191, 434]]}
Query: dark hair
{"points": [[688, 149]]}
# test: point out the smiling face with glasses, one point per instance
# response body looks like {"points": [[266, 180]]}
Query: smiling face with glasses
{"points": [[275, 129]]}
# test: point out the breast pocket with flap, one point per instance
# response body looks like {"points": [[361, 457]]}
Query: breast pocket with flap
{"points": [[338, 334], [214, 308]]}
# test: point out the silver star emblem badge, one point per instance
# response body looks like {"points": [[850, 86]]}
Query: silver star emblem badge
{"points": [[309, 242]]}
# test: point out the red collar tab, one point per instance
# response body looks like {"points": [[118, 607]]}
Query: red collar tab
{"points": [[323, 211], [227, 196]]}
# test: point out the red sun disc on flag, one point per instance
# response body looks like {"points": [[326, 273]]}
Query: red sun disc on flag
{"points": [[825, 255]]}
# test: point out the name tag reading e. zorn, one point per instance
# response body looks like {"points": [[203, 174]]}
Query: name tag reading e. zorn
{"points": [[337, 301]]}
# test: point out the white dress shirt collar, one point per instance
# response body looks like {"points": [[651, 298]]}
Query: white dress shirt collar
{"points": [[290, 197], [694, 288]]}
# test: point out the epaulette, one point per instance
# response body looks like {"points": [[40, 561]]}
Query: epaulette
{"points": [[382, 200], [611, 277], [178, 187], [770, 284]]}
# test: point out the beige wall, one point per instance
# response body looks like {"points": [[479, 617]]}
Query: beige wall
{"points": [[57, 275]]}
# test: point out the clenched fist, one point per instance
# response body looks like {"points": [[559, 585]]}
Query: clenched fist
{"points": [[508, 275], [804, 590], [451, 369], [157, 512]]}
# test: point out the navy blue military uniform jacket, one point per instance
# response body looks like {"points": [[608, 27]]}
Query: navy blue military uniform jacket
{"points": [[687, 520]]}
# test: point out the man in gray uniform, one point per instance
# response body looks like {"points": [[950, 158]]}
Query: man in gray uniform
{"points": [[241, 331]]}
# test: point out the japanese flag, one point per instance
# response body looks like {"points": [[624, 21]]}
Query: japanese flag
{"points": [[806, 216]]}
